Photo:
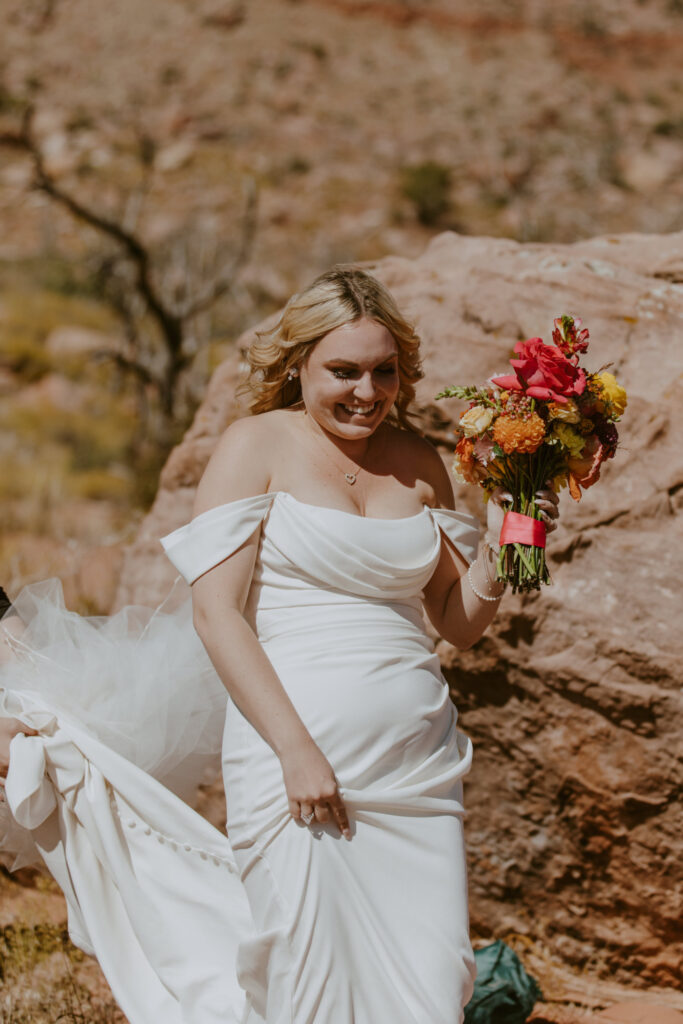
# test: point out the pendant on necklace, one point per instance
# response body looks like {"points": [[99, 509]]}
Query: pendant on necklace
{"points": [[350, 478]]}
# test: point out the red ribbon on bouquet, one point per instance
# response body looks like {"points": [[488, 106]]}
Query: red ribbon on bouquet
{"points": [[519, 529]]}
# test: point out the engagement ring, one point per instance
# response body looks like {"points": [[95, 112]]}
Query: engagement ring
{"points": [[307, 818]]}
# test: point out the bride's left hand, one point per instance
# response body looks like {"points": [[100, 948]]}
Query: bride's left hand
{"points": [[547, 503]]}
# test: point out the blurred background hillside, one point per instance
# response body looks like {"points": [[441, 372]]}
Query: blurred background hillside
{"points": [[245, 147]]}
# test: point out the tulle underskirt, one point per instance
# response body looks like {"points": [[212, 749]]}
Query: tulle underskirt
{"points": [[140, 681]]}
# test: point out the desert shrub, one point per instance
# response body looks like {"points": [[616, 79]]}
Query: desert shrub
{"points": [[94, 436], [297, 165], [29, 317], [26, 473], [427, 185], [316, 49], [171, 74], [101, 484], [23, 353], [9, 103], [670, 127]]}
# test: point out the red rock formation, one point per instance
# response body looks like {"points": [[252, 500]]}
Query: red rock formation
{"points": [[572, 698]]}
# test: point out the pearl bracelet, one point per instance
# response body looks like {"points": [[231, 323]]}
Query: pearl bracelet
{"points": [[490, 544], [482, 597]]}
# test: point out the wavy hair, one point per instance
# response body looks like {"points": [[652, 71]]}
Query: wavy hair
{"points": [[341, 296]]}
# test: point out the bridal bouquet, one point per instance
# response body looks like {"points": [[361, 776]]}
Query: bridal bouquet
{"points": [[551, 421]]}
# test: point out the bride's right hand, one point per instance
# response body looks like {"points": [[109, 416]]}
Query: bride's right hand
{"points": [[9, 728], [312, 787]]}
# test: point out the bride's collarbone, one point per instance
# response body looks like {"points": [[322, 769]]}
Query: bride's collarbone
{"points": [[372, 489], [367, 504]]}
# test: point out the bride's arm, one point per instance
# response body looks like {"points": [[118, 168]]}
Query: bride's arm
{"points": [[238, 469], [455, 610], [461, 604]]}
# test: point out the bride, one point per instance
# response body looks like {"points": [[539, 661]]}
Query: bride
{"points": [[323, 528]]}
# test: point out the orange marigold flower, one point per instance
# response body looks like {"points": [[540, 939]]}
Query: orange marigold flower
{"points": [[515, 434]]}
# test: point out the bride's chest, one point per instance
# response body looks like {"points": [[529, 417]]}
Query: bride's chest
{"points": [[343, 551]]}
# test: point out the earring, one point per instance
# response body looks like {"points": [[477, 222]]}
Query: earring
{"points": [[293, 373]]}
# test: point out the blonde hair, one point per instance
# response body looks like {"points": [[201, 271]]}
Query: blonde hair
{"points": [[341, 296]]}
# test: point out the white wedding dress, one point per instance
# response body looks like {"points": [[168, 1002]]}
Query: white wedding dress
{"points": [[282, 923]]}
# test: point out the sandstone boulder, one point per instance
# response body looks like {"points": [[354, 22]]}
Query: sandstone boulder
{"points": [[572, 698]]}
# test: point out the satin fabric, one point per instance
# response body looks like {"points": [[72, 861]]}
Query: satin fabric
{"points": [[283, 924], [374, 929]]}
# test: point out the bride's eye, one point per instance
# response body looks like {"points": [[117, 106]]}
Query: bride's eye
{"points": [[346, 374]]}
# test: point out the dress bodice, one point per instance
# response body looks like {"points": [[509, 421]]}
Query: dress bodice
{"points": [[307, 546]]}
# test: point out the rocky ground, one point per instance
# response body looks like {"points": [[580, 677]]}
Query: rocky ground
{"points": [[46, 979]]}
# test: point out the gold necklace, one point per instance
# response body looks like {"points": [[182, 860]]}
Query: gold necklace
{"points": [[349, 477]]}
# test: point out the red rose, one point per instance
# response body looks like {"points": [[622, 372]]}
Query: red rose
{"points": [[542, 371]]}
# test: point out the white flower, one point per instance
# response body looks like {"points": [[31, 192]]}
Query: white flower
{"points": [[476, 420]]}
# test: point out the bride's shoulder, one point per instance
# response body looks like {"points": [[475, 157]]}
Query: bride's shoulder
{"points": [[242, 461], [423, 463], [249, 432]]}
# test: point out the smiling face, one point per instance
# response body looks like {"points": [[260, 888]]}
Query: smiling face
{"points": [[350, 380]]}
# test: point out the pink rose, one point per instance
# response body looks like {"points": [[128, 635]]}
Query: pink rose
{"points": [[542, 371]]}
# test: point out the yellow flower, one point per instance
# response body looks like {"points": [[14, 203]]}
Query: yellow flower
{"points": [[559, 481], [476, 420], [569, 438], [566, 413], [612, 394]]}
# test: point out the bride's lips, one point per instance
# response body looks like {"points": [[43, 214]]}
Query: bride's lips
{"points": [[355, 410]]}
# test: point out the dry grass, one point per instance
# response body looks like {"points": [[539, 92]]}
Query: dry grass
{"points": [[46, 980]]}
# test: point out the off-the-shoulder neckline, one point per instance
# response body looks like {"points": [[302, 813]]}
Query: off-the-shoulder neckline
{"points": [[352, 515], [320, 508]]}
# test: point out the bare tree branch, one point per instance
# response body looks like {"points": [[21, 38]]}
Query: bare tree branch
{"points": [[124, 363], [170, 325], [130, 280]]}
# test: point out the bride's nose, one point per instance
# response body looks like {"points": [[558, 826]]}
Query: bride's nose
{"points": [[365, 388]]}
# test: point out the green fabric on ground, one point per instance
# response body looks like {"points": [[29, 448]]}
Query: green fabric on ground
{"points": [[503, 993]]}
